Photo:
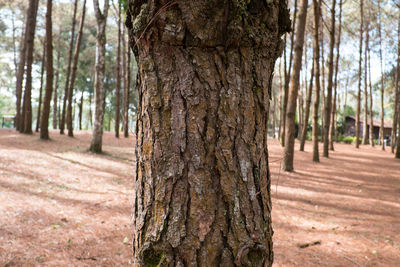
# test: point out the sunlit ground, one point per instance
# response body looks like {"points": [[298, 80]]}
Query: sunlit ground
{"points": [[346, 208], [63, 206]]}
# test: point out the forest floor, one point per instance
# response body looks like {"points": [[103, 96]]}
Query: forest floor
{"points": [[64, 206]]}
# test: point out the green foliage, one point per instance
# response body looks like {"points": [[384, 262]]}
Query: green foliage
{"points": [[348, 139]]}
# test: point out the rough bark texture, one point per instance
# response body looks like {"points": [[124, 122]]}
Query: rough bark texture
{"points": [[328, 100], [307, 111], [358, 111], [41, 87], [68, 71], [288, 156], [26, 122], [202, 190], [332, 129], [44, 125], [316, 4], [99, 91], [73, 73]]}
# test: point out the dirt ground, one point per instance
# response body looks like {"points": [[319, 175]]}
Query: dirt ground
{"points": [[63, 206]]}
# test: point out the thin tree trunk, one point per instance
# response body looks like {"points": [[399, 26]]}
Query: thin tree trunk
{"points": [[41, 87], [126, 59], [307, 111], [323, 98], [55, 98], [80, 111], [26, 127], [345, 99], [396, 101], [281, 92], [20, 78], [365, 125], [73, 74], [371, 113], [90, 120], [288, 75], [68, 72], [333, 131], [118, 75], [99, 94], [328, 102], [381, 129], [204, 130], [359, 75], [287, 164], [44, 125], [316, 4]]}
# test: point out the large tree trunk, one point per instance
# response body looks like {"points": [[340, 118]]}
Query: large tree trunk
{"points": [[287, 76], [99, 93], [307, 111], [287, 164], [44, 125], [41, 86], [26, 122], [202, 190], [328, 100], [73, 74], [358, 111], [55, 105], [68, 71], [316, 5], [332, 129], [396, 100]]}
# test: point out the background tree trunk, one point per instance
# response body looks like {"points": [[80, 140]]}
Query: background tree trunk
{"points": [[287, 75], [371, 112], [365, 125], [68, 72], [44, 125], [328, 102], [20, 76], [202, 190], [41, 85], [316, 5], [358, 111], [127, 83], [333, 130], [55, 98], [118, 74], [396, 85], [26, 122], [288, 156], [99, 93], [73, 74], [381, 129], [307, 111]]}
